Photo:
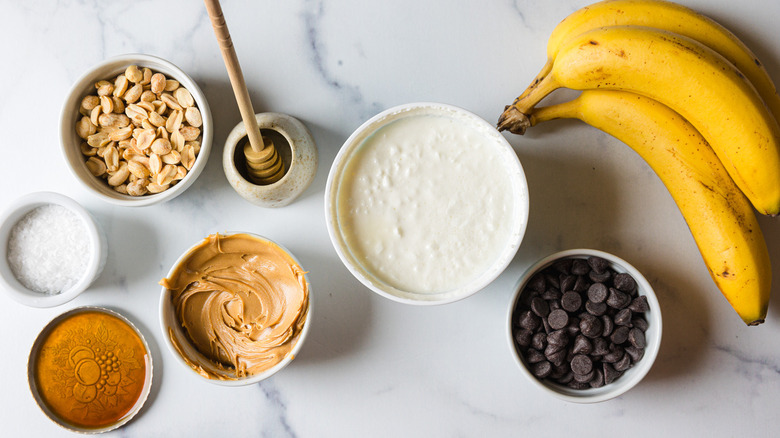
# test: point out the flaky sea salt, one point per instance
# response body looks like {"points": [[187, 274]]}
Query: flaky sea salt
{"points": [[48, 249]]}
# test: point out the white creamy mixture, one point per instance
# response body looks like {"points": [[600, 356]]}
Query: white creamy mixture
{"points": [[426, 203]]}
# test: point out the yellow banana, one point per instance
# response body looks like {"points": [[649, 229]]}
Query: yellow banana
{"points": [[718, 215], [671, 17], [688, 77]]}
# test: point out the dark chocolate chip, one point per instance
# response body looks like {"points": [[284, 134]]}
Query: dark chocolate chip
{"points": [[599, 277], [528, 320], [581, 364], [558, 319], [533, 356], [598, 292], [618, 299], [523, 337], [639, 304], [559, 370], [540, 307], [591, 326], [546, 326], [623, 317], [578, 385], [595, 309], [552, 349], [551, 293], [624, 363], [566, 378], [598, 264], [567, 282], [636, 353], [558, 358], [574, 326], [580, 267], [539, 341], [616, 353], [620, 335], [584, 378], [624, 282], [571, 301], [581, 285], [581, 345], [598, 379], [610, 374], [600, 347], [541, 369], [640, 323], [609, 325], [637, 338], [559, 338]]}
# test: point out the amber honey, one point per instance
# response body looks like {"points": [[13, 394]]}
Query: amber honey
{"points": [[90, 369]]}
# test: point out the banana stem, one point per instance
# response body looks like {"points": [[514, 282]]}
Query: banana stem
{"points": [[515, 116], [564, 110], [546, 69]]}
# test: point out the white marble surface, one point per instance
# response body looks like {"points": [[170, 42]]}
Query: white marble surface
{"points": [[372, 367]]}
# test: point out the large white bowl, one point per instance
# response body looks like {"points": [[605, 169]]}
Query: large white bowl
{"points": [[71, 143], [171, 327], [336, 229], [94, 234], [630, 377]]}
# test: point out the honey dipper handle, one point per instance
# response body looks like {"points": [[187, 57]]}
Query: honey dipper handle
{"points": [[235, 74]]}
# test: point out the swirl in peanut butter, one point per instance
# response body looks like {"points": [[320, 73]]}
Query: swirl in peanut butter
{"points": [[241, 301]]}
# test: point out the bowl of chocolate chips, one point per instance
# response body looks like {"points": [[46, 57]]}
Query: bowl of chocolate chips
{"points": [[584, 325]]}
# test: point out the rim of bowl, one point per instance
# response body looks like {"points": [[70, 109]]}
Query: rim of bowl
{"points": [[353, 142], [144, 391], [15, 212], [166, 316], [69, 141], [630, 377]]}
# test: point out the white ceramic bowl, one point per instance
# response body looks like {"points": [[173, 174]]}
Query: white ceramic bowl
{"points": [[630, 377], [171, 326], [71, 143], [506, 164], [96, 242]]}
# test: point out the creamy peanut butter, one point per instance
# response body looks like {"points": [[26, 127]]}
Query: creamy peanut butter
{"points": [[242, 303]]}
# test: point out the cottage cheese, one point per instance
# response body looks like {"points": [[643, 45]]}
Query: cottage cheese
{"points": [[429, 202]]}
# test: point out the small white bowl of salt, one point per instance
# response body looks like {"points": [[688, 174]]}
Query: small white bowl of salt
{"points": [[52, 249]]}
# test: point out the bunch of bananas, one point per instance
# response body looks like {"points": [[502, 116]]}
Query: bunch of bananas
{"points": [[696, 104]]}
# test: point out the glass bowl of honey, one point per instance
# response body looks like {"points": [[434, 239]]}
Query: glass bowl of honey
{"points": [[90, 370]]}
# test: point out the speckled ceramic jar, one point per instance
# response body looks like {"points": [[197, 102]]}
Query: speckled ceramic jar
{"points": [[297, 149]]}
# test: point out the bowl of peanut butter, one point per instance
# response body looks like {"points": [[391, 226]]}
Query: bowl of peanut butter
{"points": [[234, 308]]}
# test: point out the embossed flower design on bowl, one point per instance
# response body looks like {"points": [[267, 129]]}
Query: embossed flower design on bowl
{"points": [[90, 370]]}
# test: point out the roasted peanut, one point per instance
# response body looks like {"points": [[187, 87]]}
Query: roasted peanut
{"points": [[85, 128]]}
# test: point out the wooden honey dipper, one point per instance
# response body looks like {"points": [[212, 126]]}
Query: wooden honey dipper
{"points": [[263, 163]]}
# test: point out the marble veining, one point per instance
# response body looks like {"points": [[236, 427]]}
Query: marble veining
{"points": [[277, 402], [350, 94]]}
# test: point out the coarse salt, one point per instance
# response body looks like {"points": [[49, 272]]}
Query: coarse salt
{"points": [[48, 249]]}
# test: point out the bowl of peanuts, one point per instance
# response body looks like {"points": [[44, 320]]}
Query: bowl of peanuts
{"points": [[136, 130]]}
